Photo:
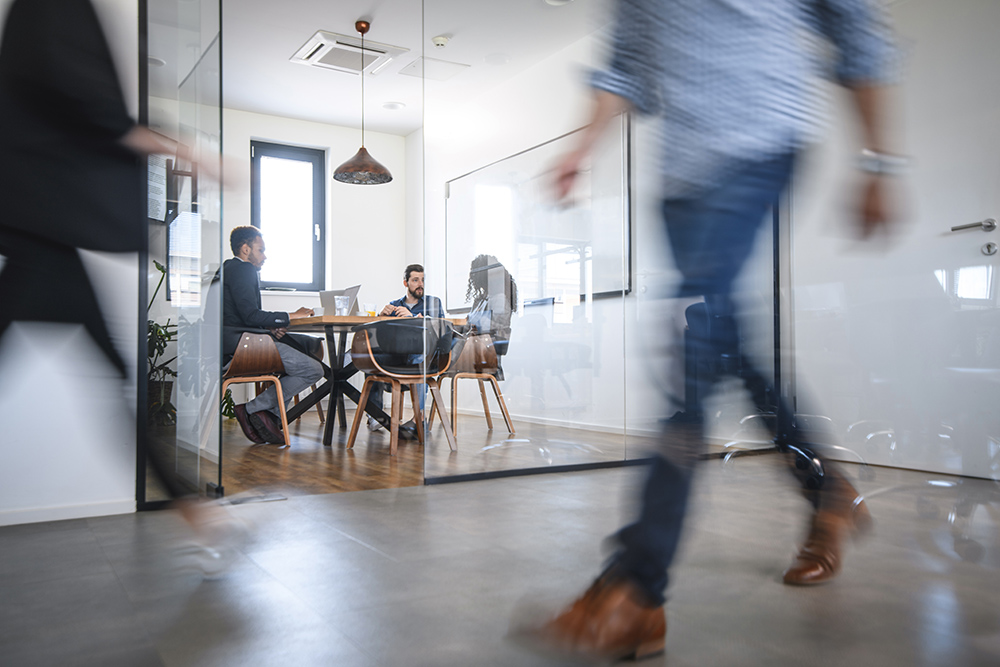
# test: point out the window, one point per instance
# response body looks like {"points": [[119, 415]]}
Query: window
{"points": [[288, 205]]}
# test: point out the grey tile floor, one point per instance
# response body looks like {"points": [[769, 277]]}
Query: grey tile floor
{"points": [[435, 575]]}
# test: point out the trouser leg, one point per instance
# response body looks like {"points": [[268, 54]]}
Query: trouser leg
{"points": [[47, 282], [301, 372], [711, 237]]}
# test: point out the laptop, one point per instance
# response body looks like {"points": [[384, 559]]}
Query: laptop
{"points": [[326, 299]]}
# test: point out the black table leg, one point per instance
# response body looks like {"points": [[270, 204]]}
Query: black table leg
{"points": [[341, 410], [331, 410]]}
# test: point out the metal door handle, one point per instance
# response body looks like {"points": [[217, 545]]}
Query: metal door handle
{"points": [[988, 225]]}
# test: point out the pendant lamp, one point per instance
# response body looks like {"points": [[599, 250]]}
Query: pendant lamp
{"points": [[362, 169]]}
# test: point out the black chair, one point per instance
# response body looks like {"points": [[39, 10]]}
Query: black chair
{"points": [[403, 352]]}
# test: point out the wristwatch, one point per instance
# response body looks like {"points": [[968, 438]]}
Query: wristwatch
{"points": [[884, 164]]}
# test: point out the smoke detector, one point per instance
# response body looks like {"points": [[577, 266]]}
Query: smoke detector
{"points": [[440, 41]]}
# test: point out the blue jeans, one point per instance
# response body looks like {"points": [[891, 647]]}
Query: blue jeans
{"points": [[711, 237]]}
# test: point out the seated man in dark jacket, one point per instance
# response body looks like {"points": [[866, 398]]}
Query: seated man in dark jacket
{"points": [[241, 312]]}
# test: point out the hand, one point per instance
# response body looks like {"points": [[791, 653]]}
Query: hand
{"points": [[388, 311], [875, 212], [566, 173], [278, 333], [300, 313]]}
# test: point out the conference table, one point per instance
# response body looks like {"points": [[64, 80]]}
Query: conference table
{"points": [[337, 385]]}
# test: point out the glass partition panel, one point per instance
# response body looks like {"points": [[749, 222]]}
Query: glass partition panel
{"points": [[544, 284], [185, 246]]}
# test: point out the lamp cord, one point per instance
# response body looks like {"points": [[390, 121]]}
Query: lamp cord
{"points": [[362, 90]]}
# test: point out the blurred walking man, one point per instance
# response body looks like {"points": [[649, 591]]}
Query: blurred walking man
{"points": [[733, 84]]}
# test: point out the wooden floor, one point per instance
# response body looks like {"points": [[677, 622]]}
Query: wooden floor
{"points": [[307, 467]]}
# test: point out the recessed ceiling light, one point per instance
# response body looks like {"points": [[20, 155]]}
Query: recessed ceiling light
{"points": [[393, 106], [156, 62], [558, 3]]}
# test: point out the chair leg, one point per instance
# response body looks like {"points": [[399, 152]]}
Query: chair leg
{"points": [[360, 414], [281, 410], [486, 404], [430, 417], [437, 403], [503, 404], [319, 407], [418, 417], [454, 404], [396, 413]]}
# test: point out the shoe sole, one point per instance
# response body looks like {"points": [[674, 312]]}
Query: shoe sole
{"points": [[248, 429], [270, 437]]}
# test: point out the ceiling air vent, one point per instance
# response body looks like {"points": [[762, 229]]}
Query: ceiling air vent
{"points": [[343, 53]]}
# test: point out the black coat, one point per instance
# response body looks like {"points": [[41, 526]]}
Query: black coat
{"points": [[65, 180], [241, 305], [63, 175]]}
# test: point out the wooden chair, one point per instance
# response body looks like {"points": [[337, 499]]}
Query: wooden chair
{"points": [[315, 350], [257, 360], [379, 366], [478, 361]]}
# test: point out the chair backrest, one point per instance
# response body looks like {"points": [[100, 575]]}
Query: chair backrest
{"points": [[390, 346], [257, 354], [478, 355]]}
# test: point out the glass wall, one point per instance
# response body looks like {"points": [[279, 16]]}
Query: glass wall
{"points": [[184, 242], [594, 357]]}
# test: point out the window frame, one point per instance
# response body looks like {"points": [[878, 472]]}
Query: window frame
{"points": [[317, 157]]}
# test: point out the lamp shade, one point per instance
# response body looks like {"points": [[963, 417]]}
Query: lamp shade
{"points": [[362, 169]]}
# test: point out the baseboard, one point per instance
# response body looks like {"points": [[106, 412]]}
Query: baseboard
{"points": [[64, 512]]}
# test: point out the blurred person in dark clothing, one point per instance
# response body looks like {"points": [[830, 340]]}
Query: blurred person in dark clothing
{"points": [[241, 311], [70, 177], [733, 85]]}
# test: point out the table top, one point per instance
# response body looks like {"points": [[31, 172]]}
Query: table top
{"points": [[320, 322]]}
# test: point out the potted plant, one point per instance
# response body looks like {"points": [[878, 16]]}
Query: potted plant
{"points": [[159, 373]]}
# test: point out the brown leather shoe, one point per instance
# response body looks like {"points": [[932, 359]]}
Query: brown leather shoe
{"points": [[821, 556], [244, 421], [611, 621], [267, 426]]}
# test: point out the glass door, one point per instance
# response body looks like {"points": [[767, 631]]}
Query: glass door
{"points": [[184, 290], [900, 343]]}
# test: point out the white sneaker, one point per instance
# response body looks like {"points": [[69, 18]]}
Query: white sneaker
{"points": [[373, 425]]}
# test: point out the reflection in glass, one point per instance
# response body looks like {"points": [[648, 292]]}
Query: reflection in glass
{"points": [[973, 282]]}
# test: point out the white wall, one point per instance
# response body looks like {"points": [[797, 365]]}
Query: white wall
{"points": [[69, 435], [366, 225]]}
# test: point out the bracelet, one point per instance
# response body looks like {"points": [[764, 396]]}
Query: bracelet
{"points": [[883, 164]]}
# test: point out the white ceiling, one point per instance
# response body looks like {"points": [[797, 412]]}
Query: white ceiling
{"points": [[496, 38]]}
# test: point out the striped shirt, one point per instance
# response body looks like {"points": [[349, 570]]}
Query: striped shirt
{"points": [[738, 80]]}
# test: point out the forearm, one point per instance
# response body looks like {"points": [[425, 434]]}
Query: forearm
{"points": [[143, 141], [606, 106], [870, 102]]}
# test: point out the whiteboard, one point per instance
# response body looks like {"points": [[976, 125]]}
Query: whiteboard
{"points": [[576, 249]]}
